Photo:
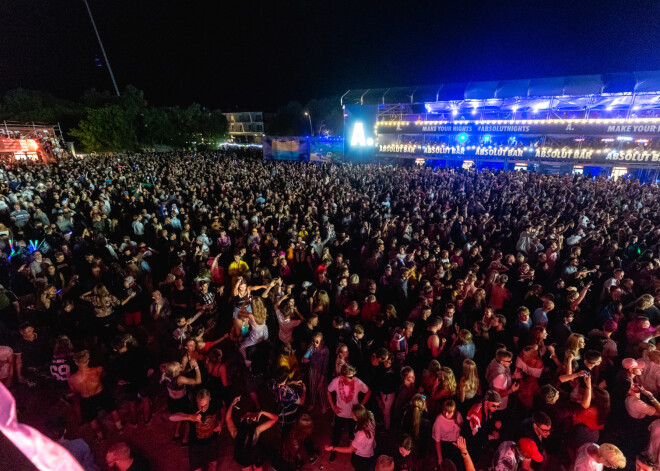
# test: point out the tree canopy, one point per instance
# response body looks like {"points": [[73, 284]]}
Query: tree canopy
{"points": [[100, 121]]}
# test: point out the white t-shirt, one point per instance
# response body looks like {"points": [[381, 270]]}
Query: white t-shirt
{"points": [[364, 445], [638, 409], [650, 378], [502, 382], [347, 396], [286, 326], [584, 462], [447, 430]]}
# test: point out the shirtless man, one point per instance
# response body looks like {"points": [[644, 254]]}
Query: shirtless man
{"points": [[87, 383]]}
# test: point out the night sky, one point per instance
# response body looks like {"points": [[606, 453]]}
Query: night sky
{"points": [[259, 55]]}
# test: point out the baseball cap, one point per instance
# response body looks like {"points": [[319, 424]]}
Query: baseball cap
{"points": [[529, 449], [306, 284], [493, 396], [630, 363]]}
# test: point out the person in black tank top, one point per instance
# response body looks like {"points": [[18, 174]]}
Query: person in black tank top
{"points": [[246, 433], [433, 344]]}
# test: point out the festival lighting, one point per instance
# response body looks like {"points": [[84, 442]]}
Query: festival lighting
{"points": [[624, 138], [462, 137], [609, 121]]}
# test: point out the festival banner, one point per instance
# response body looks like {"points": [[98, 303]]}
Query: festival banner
{"points": [[525, 128], [521, 153]]}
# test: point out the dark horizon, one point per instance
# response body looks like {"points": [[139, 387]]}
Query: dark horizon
{"points": [[238, 57]]}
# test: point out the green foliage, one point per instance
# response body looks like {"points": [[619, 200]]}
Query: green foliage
{"points": [[37, 106], [103, 122], [106, 128]]}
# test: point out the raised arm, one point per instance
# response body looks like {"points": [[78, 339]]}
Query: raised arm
{"points": [[190, 381], [279, 301], [467, 459], [272, 420]]}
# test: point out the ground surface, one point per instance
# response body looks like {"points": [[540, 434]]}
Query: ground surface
{"points": [[153, 441]]}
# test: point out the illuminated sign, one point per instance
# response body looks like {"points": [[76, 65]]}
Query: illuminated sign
{"points": [[526, 153], [358, 138], [360, 132], [536, 127]]}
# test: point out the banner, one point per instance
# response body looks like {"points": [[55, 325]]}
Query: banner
{"points": [[295, 149], [326, 150], [18, 145], [564, 128], [521, 153]]}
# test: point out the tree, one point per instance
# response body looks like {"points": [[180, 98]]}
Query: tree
{"points": [[37, 106], [105, 129]]}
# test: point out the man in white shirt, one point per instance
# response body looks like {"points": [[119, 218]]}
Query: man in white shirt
{"points": [[592, 457], [650, 377], [615, 280], [347, 388], [638, 409], [575, 238]]}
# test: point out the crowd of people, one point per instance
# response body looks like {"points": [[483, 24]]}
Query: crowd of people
{"points": [[434, 317]]}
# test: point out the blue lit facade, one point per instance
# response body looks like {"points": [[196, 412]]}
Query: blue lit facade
{"points": [[595, 124]]}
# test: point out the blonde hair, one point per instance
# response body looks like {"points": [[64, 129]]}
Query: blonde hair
{"points": [[447, 379], [392, 310], [465, 336], [417, 408], [81, 357], [644, 301], [101, 291], [259, 311], [470, 380], [322, 302], [170, 370], [612, 456], [572, 344]]}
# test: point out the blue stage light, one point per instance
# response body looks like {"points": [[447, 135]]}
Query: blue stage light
{"points": [[462, 137]]}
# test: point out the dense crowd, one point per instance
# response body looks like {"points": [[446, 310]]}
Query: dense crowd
{"points": [[458, 319]]}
